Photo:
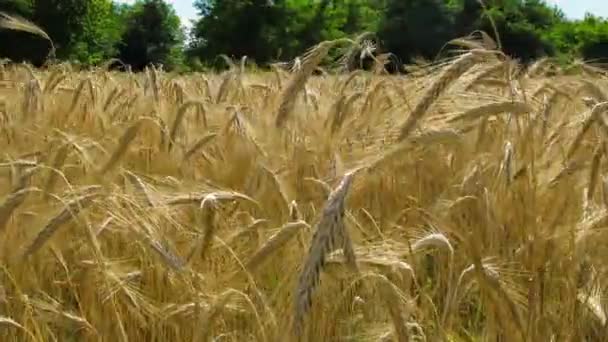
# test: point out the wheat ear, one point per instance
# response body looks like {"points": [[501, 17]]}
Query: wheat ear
{"points": [[330, 233], [9, 321], [515, 107], [594, 172], [199, 144], [180, 116], [393, 301], [58, 162], [451, 73], [16, 197], [141, 187], [285, 234], [596, 111], [298, 81], [70, 211], [439, 241], [123, 144]]}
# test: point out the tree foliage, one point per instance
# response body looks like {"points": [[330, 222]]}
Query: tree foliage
{"points": [[267, 31], [152, 36]]}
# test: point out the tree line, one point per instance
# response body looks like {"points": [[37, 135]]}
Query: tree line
{"points": [[92, 32]]}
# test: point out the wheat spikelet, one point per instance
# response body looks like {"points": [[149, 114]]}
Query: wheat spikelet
{"points": [[141, 187], [70, 211], [298, 81], [594, 172], [449, 75], [440, 241], [247, 231], [597, 93], [9, 321], [180, 116], [154, 82], [489, 280], [16, 197], [53, 308], [278, 187], [351, 77], [605, 191], [490, 70], [56, 77], [202, 198], [214, 312], [282, 237], [549, 105], [78, 94], [393, 301], [596, 111], [208, 205], [470, 42], [116, 93], [460, 283], [58, 162], [335, 111], [32, 99], [170, 258], [493, 109], [329, 234], [506, 166], [224, 87], [276, 71], [371, 96], [199, 144], [592, 300], [294, 212], [123, 144], [603, 124], [436, 136], [537, 67]]}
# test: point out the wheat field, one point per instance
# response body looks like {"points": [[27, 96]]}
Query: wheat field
{"points": [[463, 201]]}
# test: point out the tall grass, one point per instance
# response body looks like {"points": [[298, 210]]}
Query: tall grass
{"points": [[465, 202]]}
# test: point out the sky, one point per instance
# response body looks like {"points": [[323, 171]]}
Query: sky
{"points": [[574, 9], [184, 9]]}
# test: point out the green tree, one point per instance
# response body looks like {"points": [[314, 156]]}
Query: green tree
{"points": [[415, 28], [593, 38], [267, 30], [587, 39], [253, 28], [22, 8], [82, 30], [62, 20], [102, 30], [522, 25], [152, 36]]}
